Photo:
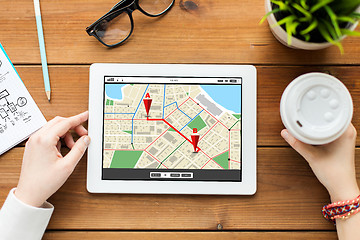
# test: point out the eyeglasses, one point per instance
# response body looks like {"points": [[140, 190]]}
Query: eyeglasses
{"points": [[116, 26]]}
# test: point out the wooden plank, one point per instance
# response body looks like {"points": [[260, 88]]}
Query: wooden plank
{"points": [[70, 93], [191, 235], [211, 32], [289, 197]]}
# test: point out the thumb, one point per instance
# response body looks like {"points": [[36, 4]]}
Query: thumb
{"points": [[78, 150], [303, 149]]}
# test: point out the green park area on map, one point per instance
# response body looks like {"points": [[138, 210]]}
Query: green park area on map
{"points": [[223, 160], [125, 159]]}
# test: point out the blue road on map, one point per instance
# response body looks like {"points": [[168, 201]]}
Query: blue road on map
{"points": [[177, 108], [132, 120], [191, 120], [171, 104]]}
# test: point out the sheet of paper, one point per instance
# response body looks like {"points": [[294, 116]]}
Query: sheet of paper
{"points": [[19, 114]]}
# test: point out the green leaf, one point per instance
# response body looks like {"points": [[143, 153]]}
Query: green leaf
{"points": [[304, 5], [289, 33], [311, 27], [281, 4], [268, 14], [327, 37], [307, 37], [330, 29], [355, 15], [293, 27], [319, 5], [350, 33], [284, 20], [346, 19], [302, 10], [323, 31], [333, 20], [303, 19]]}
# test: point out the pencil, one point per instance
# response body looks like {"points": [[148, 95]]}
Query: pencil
{"points": [[42, 49]]}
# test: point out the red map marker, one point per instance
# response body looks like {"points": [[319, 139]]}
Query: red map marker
{"points": [[195, 138], [147, 102]]}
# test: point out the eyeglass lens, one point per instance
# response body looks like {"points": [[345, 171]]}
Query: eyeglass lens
{"points": [[117, 27], [114, 29], [155, 7]]}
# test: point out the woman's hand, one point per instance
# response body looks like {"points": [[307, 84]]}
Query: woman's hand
{"points": [[333, 163], [44, 170]]}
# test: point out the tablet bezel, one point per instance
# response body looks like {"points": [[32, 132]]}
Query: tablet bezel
{"points": [[247, 186]]}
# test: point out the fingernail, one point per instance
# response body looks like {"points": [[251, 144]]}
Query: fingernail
{"points": [[87, 140], [285, 134]]}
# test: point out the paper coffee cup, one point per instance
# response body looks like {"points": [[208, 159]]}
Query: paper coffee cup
{"points": [[316, 108]]}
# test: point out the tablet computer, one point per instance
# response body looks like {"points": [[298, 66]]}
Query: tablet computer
{"points": [[172, 129]]}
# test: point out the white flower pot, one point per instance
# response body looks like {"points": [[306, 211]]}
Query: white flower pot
{"points": [[281, 35]]}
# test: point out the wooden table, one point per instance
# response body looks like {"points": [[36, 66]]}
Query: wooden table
{"points": [[289, 198]]}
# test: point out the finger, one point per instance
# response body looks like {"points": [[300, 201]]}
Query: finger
{"points": [[304, 149], [58, 146], [66, 124], [69, 141], [51, 123], [81, 130], [77, 151], [350, 133]]}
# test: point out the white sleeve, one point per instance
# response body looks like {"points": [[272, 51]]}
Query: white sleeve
{"points": [[21, 221]]}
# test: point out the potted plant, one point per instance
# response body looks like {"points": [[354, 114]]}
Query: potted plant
{"points": [[312, 24]]}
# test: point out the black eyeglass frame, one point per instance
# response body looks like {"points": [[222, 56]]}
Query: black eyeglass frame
{"points": [[119, 8]]}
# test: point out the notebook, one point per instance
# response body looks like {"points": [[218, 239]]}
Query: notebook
{"points": [[19, 114]]}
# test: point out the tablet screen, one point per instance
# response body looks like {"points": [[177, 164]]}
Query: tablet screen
{"points": [[172, 129]]}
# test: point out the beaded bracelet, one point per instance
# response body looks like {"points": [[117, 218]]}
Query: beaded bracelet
{"points": [[341, 209]]}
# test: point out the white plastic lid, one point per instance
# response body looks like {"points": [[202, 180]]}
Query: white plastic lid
{"points": [[316, 108]]}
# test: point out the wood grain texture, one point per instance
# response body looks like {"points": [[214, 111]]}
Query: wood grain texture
{"points": [[70, 93], [213, 32], [191, 235], [289, 197]]}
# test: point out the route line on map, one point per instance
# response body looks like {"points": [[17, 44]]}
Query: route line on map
{"points": [[132, 121], [160, 119]]}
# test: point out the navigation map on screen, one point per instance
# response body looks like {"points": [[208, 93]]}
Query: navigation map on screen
{"points": [[171, 126]]}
